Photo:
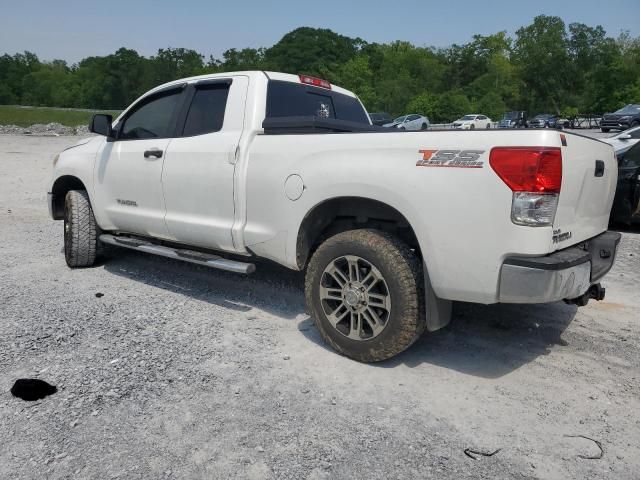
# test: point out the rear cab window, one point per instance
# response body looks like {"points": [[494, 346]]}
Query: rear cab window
{"points": [[289, 99]]}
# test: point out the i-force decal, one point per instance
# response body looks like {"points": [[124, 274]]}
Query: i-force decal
{"points": [[451, 158]]}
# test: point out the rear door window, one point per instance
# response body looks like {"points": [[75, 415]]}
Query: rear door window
{"points": [[206, 112], [289, 99]]}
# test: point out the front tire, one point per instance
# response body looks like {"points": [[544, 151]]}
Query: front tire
{"points": [[604, 130], [365, 292], [80, 230]]}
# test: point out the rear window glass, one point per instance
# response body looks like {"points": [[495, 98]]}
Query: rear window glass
{"points": [[287, 99]]}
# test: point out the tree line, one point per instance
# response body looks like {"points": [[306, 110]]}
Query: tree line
{"points": [[547, 66]]}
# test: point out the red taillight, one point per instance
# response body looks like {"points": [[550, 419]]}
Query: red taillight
{"points": [[528, 169], [316, 82]]}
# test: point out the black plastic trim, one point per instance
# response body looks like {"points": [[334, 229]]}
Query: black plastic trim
{"points": [[559, 260], [588, 251], [312, 124]]}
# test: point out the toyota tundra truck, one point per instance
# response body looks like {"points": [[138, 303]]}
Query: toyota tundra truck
{"points": [[389, 227]]}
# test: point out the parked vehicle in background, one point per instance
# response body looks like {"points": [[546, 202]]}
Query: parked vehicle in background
{"points": [[380, 118], [514, 120], [623, 141], [472, 121], [626, 203], [627, 117], [412, 121], [222, 170], [545, 120]]}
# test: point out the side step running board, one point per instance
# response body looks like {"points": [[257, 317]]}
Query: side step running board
{"points": [[200, 258]]}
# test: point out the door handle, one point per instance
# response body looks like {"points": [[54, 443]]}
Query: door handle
{"points": [[599, 168], [154, 152]]}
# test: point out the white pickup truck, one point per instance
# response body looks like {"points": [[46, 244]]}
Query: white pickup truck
{"points": [[390, 226]]}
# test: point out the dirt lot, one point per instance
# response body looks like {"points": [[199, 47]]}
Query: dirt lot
{"points": [[183, 372]]}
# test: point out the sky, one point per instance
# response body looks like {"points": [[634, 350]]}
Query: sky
{"points": [[73, 29]]}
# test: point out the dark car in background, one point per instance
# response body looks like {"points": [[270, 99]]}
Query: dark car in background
{"points": [[380, 118], [514, 120], [627, 117], [626, 204], [544, 120]]}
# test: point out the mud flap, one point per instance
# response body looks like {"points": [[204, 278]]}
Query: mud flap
{"points": [[438, 311]]}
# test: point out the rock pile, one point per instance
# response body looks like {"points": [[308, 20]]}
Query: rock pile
{"points": [[53, 129]]}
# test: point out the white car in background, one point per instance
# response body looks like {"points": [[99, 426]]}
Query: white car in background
{"points": [[472, 122], [409, 122], [623, 141]]}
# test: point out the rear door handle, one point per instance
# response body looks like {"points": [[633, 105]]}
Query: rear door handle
{"points": [[154, 152]]}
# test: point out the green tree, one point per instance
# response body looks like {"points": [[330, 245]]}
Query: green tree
{"points": [[312, 51], [424, 104], [245, 59], [492, 105], [356, 75], [541, 56]]}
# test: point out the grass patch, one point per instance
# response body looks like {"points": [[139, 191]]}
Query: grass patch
{"points": [[26, 116]]}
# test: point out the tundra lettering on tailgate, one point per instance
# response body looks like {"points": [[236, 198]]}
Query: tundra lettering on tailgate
{"points": [[450, 158]]}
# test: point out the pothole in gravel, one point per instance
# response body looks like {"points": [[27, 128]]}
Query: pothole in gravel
{"points": [[32, 389]]}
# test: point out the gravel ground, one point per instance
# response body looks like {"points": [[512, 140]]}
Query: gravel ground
{"points": [[178, 371]]}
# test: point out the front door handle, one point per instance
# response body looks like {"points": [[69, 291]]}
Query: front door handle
{"points": [[153, 153]]}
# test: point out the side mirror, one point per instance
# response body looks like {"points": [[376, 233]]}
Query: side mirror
{"points": [[101, 124], [624, 137]]}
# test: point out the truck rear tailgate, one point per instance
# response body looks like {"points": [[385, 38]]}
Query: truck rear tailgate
{"points": [[589, 177]]}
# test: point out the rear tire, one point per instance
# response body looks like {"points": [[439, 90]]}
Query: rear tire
{"points": [[80, 230], [604, 130], [424, 126], [365, 292], [472, 127]]}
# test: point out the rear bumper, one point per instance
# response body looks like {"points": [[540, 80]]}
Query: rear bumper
{"points": [[565, 274]]}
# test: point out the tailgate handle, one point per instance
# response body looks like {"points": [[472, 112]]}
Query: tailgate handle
{"points": [[599, 168]]}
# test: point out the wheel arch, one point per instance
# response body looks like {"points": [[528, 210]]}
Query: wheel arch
{"points": [[59, 190], [338, 214]]}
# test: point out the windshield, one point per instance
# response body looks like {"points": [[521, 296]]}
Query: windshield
{"points": [[468, 117], [628, 110], [399, 119]]}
